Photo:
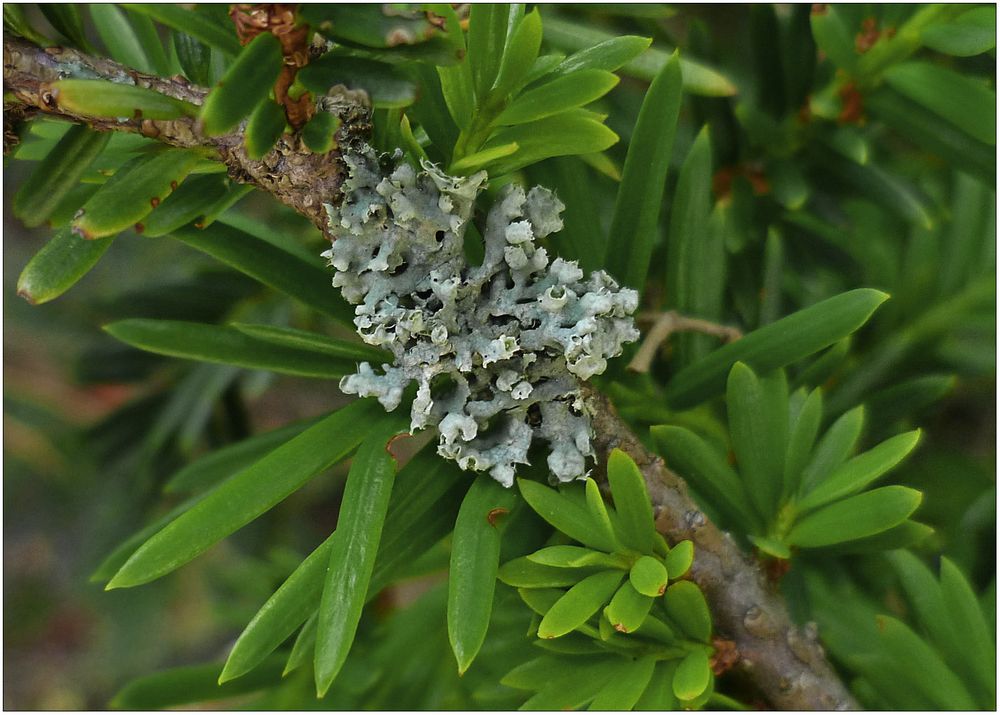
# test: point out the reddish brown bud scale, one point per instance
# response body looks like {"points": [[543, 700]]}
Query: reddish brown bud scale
{"points": [[495, 514], [725, 657], [280, 20], [853, 105]]}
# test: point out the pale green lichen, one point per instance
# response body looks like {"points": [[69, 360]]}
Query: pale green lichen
{"points": [[497, 350]]}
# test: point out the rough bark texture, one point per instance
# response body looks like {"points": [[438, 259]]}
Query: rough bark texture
{"points": [[290, 172], [786, 663]]}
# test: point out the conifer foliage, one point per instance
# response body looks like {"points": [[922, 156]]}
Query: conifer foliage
{"points": [[795, 204]]}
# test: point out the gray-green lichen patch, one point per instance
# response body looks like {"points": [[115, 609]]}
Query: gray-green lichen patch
{"points": [[497, 350]]}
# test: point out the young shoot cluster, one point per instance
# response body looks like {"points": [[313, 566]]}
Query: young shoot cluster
{"points": [[497, 350]]}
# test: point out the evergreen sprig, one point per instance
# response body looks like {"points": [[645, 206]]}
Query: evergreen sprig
{"points": [[786, 182]]}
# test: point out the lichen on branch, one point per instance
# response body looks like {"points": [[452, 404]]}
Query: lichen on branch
{"points": [[497, 350], [745, 608]]}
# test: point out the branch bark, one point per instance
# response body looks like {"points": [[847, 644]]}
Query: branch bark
{"points": [[786, 663], [290, 172]]}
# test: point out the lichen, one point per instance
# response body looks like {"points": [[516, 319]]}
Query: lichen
{"points": [[497, 350]]}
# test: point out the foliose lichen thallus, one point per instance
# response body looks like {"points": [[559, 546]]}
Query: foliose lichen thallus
{"points": [[497, 350]]}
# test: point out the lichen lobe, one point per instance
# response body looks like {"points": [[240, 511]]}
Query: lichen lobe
{"points": [[497, 350]]}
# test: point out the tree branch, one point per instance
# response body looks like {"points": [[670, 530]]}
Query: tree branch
{"points": [[666, 324], [290, 172], [787, 664]]}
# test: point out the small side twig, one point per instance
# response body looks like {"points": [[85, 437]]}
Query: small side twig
{"points": [[668, 323]]}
